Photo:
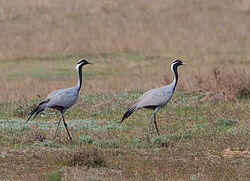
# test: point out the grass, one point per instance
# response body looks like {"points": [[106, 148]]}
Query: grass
{"points": [[204, 128]]}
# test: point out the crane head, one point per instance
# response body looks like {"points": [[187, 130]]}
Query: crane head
{"points": [[176, 63], [81, 63]]}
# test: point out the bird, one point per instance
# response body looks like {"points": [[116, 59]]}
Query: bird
{"points": [[155, 99], [61, 99]]}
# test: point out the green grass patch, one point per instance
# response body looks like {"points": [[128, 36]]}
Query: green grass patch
{"points": [[49, 144], [192, 133], [85, 140], [55, 175], [114, 143]]}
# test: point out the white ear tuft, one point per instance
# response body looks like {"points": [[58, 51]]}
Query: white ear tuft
{"points": [[77, 66], [172, 67]]}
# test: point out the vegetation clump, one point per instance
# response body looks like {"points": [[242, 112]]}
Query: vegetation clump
{"points": [[229, 84], [87, 157], [161, 141]]}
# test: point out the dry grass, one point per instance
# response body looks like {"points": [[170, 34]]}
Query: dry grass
{"points": [[229, 84], [226, 80], [207, 35], [34, 28]]}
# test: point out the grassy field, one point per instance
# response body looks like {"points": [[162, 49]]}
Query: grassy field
{"points": [[203, 136], [204, 129]]}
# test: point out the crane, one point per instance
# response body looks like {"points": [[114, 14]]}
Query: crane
{"points": [[61, 99], [156, 98]]}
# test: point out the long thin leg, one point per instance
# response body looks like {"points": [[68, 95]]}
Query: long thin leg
{"points": [[157, 109], [149, 127], [57, 128], [156, 125], [66, 127]]}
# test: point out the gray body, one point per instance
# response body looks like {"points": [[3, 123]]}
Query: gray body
{"points": [[61, 99], [155, 98]]}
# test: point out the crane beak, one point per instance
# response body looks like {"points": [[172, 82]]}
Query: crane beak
{"points": [[90, 63], [184, 63]]}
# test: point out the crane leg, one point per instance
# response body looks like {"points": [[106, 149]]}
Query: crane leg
{"points": [[57, 128], [156, 125], [149, 127], [157, 109], [66, 127]]}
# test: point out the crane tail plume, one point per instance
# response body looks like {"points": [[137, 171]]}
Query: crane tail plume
{"points": [[31, 113], [129, 112], [36, 110], [40, 110]]}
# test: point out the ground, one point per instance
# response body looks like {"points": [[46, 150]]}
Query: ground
{"points": [[204, 129]]}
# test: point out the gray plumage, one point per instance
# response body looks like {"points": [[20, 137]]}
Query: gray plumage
{"points": [[61, 99], [155, 98]]}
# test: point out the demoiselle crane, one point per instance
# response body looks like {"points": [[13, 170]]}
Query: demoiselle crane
{"points": [[61, 99], [155, 98]]}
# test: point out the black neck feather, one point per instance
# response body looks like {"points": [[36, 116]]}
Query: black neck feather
{"points": [[175, 75], [80, 78]]}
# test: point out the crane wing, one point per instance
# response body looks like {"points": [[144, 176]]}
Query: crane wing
{"points": [[62, 98], [155, 97]]}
